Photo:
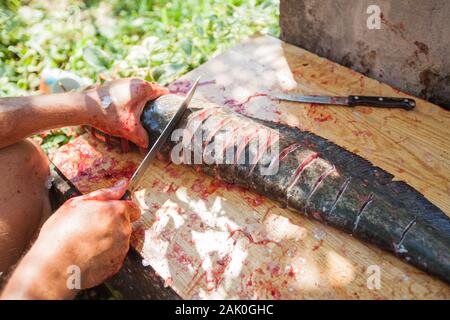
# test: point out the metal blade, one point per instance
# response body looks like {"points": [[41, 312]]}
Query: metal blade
{"points": [[311, 99], [138, 174]]}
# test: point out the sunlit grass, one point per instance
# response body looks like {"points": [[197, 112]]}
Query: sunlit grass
{"points": [[158, 40]]}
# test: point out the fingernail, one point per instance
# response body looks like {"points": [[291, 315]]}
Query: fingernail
{"points": [[120, 184]]}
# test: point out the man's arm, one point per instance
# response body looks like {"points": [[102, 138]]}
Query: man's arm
{"points": [[114, 108], [22, 117]]}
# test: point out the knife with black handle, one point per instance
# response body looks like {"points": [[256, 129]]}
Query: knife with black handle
{"points": [[350, 101], [382, 102]]}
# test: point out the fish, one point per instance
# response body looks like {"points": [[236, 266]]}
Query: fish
{"points": [[311, 176]]}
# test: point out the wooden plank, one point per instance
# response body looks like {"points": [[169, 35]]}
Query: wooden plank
{"points": [[210, 240]]}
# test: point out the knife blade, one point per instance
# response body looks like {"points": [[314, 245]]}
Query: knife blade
{"points": [[139, 173], [351, 101]]}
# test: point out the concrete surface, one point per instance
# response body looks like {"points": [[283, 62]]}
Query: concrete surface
{"points": [[410, 51]]}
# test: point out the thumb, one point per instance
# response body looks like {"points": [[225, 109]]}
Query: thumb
{"points": [[140, 136], [112, 193], [155, 90]]}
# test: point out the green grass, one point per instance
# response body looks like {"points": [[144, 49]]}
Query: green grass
{"points": [[154, 39], [157, 40]]}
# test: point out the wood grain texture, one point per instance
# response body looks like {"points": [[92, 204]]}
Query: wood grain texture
{"points": [[211, 240]]}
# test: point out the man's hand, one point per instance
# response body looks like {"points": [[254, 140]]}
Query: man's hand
{"points": [[118, 108], [114, 108], [90, 232]]}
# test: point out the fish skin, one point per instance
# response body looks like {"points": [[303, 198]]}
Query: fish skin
{"points": [[335, 186]]}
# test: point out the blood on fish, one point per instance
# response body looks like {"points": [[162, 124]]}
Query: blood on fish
{"points": [[316, 215], [272, 139], [361, 211], [340, 193], [219, 126], [230, 139], [283, 154], [319, 181], [247, 140], [202, 115], [300, 169], [198, 117]]}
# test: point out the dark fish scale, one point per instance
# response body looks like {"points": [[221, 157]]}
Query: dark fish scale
{"points": [[325, 182]]}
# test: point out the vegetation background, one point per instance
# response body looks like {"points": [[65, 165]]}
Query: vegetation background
{"points": [[158, 40]]}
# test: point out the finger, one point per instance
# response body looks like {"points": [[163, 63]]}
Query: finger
{"points": [[140, 136], [134, 213], [112, 193], [124, 145], [126, 208], [155, 90]]}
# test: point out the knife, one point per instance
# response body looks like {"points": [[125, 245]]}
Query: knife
{"points": [[139, 173], [351, 101]]}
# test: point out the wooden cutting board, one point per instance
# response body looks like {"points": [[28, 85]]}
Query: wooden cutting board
{"points": [[207, 239]]}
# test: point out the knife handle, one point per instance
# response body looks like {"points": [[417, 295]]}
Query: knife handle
{"points": [[382, 102]]}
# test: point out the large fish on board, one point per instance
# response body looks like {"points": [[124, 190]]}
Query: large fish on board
{"points": [[313, 177]]}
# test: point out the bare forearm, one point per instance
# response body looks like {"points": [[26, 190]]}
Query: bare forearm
{"points": [[22, 117], [40, 275]]}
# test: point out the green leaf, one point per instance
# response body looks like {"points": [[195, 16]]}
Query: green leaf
{"points": [[186, 46], [96, 57]]}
